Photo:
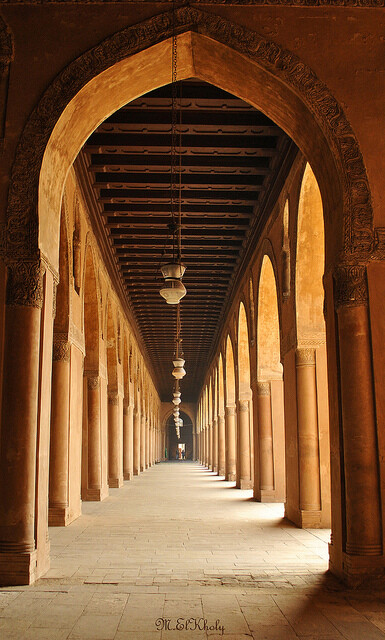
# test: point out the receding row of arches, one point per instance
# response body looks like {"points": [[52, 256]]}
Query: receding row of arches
{"points": [[263, 411], [105, 409]]}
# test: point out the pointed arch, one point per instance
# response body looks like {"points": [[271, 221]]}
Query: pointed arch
{"points": [[310, 260], [271, 76], [230, 373], [269, 480], [243, 354], [312, 424]]}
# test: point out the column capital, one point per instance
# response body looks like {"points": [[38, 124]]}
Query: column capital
{"points": [[263, 388], [305, 357], [61, 347], [231, 410], [351, 288], [113, 398], [25, 283], [243, 405], [93, 382]]}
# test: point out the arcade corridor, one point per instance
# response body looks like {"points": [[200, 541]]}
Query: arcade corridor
{"points": [[180, 542]]}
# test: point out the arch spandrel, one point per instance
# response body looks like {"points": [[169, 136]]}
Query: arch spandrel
{"points": [[214, 50]]}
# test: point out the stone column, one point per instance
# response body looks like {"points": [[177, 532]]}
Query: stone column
{"points": [[163, 440], [361, 474], [308, 437], [115, 440], [18, 435], [231, 464], [211, 447], [136, 443], [244, 465], [147, 449], [215, 445], [150, 460], [221, 446], [94, 489], [143, 443], [207, 446], [128, 442], [265, 434], [58, 514]]}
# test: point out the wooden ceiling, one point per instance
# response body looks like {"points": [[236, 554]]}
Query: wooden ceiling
{"points": [[234, 161]]}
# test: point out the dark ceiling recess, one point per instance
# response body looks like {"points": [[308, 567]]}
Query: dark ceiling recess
{"points": [[234, 161]]}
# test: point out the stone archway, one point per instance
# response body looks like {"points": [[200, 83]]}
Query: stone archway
{"points": [[273, 77], [134, 61]]}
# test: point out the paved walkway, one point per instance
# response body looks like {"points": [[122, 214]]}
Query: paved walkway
{"points": [[179, 553]]}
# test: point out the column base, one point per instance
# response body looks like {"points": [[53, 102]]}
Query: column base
{"points": [[136, 472], [115, 483], [357, 570], [221, 471], [244, 484], [230, 477], [128, 475], [95, 495], [270, 495], [60, 516], [305, 519], [142, 468], [311, 519], [19, 568]]}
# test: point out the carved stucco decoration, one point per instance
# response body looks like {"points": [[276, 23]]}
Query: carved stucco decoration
{"points": [[6, 56], [22, 223], [351, 288], [25, 284], [305, 357], [61, 347], [257, 3]]}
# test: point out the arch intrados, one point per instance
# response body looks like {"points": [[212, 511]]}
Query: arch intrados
{"points": [[91, 311], [271, 79], [61, 322], [185, 410], [112, 351]]}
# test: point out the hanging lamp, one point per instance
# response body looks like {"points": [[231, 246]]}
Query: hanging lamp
{"points": [[173, 289]]}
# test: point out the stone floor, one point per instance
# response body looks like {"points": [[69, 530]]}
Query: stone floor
{"points": [[179, 553]]}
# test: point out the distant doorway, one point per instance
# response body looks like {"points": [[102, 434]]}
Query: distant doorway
{"points": [[176, 446]]}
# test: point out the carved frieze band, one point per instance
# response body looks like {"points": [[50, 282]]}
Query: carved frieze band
{"points": [[25, 284], [305, 357], [22, 207], [258, 3], [61, 347], [351, 288]]}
